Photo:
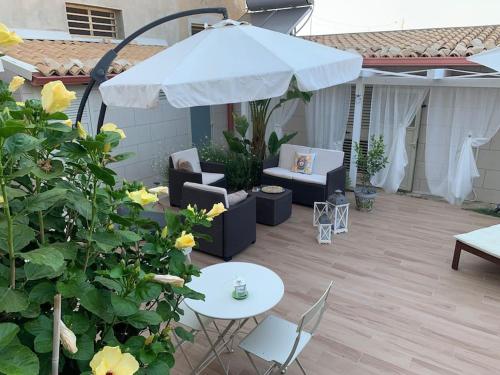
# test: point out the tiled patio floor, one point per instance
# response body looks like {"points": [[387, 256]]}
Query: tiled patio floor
{"points": [[397, 307]]}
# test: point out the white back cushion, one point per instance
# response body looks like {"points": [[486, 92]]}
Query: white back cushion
{"points": [[213, 189], [327, 160], [190, 155], [287, 154]]}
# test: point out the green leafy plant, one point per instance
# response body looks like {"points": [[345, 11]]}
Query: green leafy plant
{"points": [[274, 144], [371, 162], [68, 231], [235, 139]]}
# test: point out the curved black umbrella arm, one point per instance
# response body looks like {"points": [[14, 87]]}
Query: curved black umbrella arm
{"points": [[98, 74]]}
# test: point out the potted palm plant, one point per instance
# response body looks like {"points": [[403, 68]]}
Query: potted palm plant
{"points": [[369, 164]]}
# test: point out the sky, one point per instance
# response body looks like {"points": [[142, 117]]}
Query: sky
{"points": [[345, 16]]}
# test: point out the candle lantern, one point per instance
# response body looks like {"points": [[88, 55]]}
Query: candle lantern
{"points": [[338, 207], [240, 289], [324, 230]]}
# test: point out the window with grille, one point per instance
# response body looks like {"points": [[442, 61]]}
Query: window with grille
{"points": [[92, 21]]}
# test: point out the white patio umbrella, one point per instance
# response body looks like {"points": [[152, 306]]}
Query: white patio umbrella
{"points": [[490, 58], [230, 62]]}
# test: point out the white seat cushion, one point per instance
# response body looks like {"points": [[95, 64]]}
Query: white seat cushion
{"points": [[272, 340], [327, 160], [190, 155], [210, 178], [287, 154], [213, 189], [279, 172], [311, 178], [484, 239]]}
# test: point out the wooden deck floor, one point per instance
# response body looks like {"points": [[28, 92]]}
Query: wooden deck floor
{"points": [[397, 307]]}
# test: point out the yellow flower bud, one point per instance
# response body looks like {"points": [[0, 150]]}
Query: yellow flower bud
{"points": [[68, 338], [216, 210], [68, 123], [106, 148], [149, 340], [185, 241], [7, 37], [1, 200], [142, 197], [110, 127], [190, 208], [55, 97], [159, 190], [20, 104], [164, 232], [82, 133], [15, 83], [169, 279]]}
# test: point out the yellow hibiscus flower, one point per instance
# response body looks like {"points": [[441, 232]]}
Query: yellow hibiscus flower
{"points": [[7, 37], [142, 197], [55, 97], [111, 360], [82, 133], [184, 241], [110, 127], [15, 83], [68, 123], [216, 210]]}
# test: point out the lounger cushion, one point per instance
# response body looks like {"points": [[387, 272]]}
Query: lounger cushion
{"points": [[484, 239], [210, 178], [190, 155], [327, 160], [279, 172]]}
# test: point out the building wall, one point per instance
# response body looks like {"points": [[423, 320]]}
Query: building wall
{"points": [[51, 14]]}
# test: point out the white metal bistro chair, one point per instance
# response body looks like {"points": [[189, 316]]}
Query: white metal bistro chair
{"points": [[189, 320], [280, 342]]}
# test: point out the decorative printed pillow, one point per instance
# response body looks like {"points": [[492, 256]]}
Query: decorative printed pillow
{"points": [[303, 163], [184, 165]]}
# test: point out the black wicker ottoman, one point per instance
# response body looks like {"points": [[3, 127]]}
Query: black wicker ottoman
{"points": [[273, 209]]}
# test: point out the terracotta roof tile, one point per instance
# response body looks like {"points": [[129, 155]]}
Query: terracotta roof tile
{"points": [[65, 57], [439, 42]]}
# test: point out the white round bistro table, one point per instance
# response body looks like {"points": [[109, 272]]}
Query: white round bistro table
{"points": [[265, 290]]}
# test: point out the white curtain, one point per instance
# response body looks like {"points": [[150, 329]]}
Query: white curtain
{"points": [[280, 116], [392, 111], [326, 117], [459, 120]]}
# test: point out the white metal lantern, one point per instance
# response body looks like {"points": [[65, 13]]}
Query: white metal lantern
{"points": [[324, 233], [320, 209], [338, 207]]}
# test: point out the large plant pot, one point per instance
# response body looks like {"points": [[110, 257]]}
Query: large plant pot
{"points": [[365, 197]]}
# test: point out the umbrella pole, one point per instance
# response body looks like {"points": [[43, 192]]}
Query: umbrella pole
{"points": [[98, 74]]}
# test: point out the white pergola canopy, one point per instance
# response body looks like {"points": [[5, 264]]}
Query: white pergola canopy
{"points": [[230, 62], [490, 58]]}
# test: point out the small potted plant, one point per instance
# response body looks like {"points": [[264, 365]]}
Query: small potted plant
{"points": [[369, 164]]}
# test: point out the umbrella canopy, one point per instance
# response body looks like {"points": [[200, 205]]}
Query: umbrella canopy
{"points": [[490, 58], [230, 62]]}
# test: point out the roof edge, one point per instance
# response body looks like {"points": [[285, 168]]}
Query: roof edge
{"points": [[370, 62], [39, 79]]}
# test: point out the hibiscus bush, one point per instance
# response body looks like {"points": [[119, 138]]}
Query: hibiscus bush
{"points": [[71, 236]]}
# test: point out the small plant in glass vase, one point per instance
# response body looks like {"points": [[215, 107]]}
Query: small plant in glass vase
{"points": [[369, 164]]}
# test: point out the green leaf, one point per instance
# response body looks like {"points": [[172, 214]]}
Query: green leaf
{"points": [[23, 235], [7, 333], [85, 347], [79, 202], [37, 271], [144, 318], [18, 360], [13, 193], [159, 367], [77, 322], [57, 169], [59, 127], [147, 291], [45, 200], [19, 143], [128, 236], [57, 116], [12, 300], [43, 342], [43, 292], [97, 302], [73, 150], [146, 355], [109, 284], [46, 256], [7, 131], [107, 241], [183, 334], [164, 310], [38, 325], [102, 174], [123, 306], [121, 157]]}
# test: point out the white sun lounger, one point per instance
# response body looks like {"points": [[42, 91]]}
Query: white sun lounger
{"points": [[484, 243]]}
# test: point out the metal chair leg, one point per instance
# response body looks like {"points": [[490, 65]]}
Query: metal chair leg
{"points": [[229, 349], [179, 345], [301, 367], [253, 363]]}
